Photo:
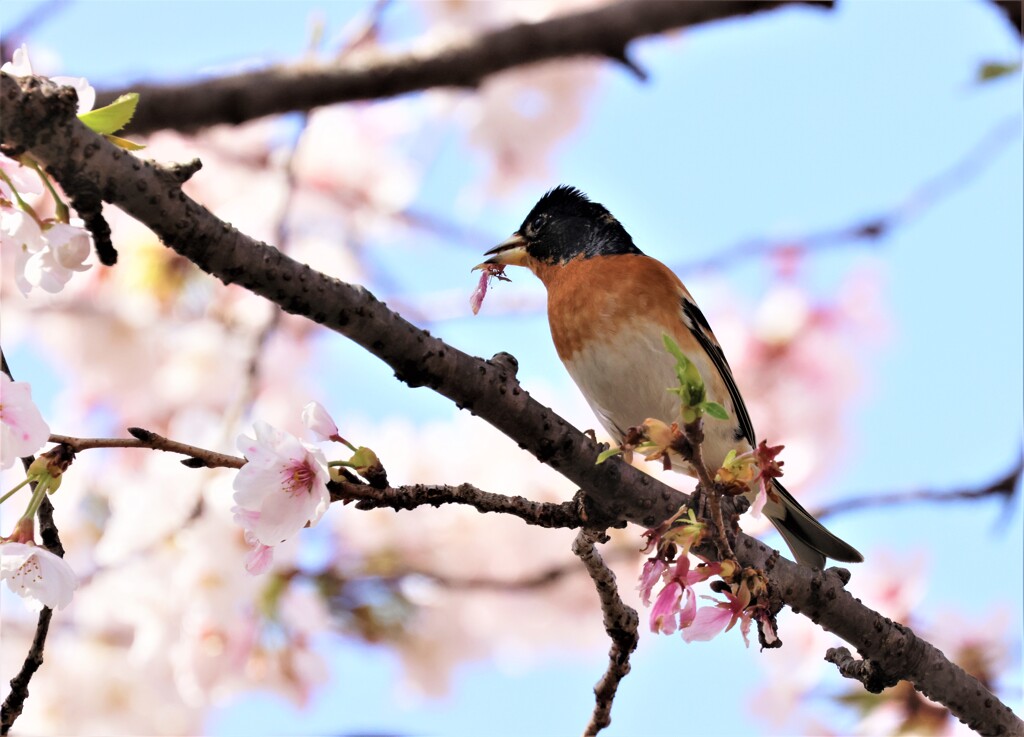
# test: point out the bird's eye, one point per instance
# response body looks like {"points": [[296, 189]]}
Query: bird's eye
{"points": [[534, 226]]}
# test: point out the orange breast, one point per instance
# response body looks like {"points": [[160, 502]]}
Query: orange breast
{"points": [[588, 299]]}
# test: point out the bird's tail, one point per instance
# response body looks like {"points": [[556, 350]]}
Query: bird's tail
{"points": [[810, 542]]}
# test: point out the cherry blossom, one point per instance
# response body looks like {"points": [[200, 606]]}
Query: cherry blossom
{"points": [[21, 66], [22, 428], [652, 572], [281, 488], [676, 605], [487, 272], [16, 177], [476, 299], [711, 620], [38, 576], [667, 608], [48, 253], [318, 421], [64, 249]]}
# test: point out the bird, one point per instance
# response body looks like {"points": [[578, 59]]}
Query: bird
{"points": [[609, 306]]}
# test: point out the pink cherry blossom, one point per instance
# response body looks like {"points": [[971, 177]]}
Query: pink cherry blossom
{"points": [[652, 572], [260, 557], [41, 578], [281, 489], [665, 612], [707, 624], [487, 272], [476, 299], [22, 428], [676, 605], [711, 620]]}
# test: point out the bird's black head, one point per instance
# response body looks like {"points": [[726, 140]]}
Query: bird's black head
{"points": [[563, 225]]}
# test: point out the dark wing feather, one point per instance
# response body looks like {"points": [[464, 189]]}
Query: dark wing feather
{"points": [[698, 325]]}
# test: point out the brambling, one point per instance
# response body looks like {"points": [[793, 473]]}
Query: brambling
{"points": [[609, 306]]}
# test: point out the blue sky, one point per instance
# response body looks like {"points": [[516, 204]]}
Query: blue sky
{"points": [[777, 125]]}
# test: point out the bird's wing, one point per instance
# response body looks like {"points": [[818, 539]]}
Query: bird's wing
{"points": [[701, 330]]}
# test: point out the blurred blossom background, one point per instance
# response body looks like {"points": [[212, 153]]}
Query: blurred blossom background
{"points": [[840, 190]]}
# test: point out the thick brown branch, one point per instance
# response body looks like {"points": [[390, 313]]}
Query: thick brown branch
{"points": [[620, 622], [873, 678], [1011, 8], [604, 33], [39, 119], [487, 388], [896, 652]]}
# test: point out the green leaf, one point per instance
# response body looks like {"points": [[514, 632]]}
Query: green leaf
{"points": [[690, 381], [672, 347], [124, 143], [112, 117], [606, 454], [715, 410], [996, 69]]}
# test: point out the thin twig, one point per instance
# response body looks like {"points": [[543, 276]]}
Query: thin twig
{"points": [[620, 622], [923, 197], [1004, 486], [147, 439], [694, 434], [543, 514], [538, 580]]}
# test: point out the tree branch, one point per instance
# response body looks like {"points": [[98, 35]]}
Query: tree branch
{"points": [[40, 119], [418, 495], [76, 157], [897, 653], [197, 457], [881, 225], [603, 32], [620, 622], [1005, 486]]}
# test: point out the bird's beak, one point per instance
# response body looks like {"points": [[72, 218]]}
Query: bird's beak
{"points": [[510, 252]]}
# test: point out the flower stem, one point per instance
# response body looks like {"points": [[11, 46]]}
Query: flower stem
{"points": [[11, 492], [21, 203], [63, 214], [38, 494]]}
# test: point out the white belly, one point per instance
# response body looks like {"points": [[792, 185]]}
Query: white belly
{"points": [[624, 393]]}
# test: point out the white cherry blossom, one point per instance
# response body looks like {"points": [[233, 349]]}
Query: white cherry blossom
{"points": [[319, 422], [50, 267], [37, 575]]}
